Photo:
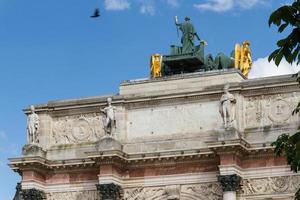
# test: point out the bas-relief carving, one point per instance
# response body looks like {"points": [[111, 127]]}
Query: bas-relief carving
{"points": [[83, 195], [77, 129], [261, 111], [204, 191], [149, 193], [270, 185]]}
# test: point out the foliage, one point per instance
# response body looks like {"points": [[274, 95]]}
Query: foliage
{"points": [[290, 146], [289, 47]]}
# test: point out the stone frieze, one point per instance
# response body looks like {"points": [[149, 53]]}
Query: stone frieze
{"points": [[78, 195], [204, 191], [261, 111], [77, 129], [271, 185]]}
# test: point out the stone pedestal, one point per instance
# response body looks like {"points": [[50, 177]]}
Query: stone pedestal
{"points": [[109, 191], [108, 143], [229, 133], [230, 184], [33, 150]]}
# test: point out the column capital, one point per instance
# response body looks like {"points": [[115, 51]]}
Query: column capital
{"points": [[109, 191], [33, 194], [230, 182]]}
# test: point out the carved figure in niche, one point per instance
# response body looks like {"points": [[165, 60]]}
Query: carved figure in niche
{"points": [[33, 126], [227, 107], [109, 120]]}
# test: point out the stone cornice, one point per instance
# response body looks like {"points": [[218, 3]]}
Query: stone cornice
{"points": [[122, 159], [239, 146], [261, 86], [41, 164]]}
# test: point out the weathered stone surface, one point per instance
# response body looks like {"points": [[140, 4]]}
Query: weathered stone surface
{"points": [[183, 83], [78, 195], [33, 150], [109, 143], [170, 142]]}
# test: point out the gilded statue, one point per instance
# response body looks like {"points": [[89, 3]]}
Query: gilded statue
{"points": [[243, 60], [155, 65]]}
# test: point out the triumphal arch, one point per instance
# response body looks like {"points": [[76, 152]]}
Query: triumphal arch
{"points": [[187, 133]]}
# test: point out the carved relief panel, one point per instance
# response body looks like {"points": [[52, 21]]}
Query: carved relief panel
{"points": [[77, 129], [82, 195], [204, 191], [261, 111], [270, 185]]}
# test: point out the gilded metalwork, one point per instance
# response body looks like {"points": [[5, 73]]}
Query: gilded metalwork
{"points": [[243, 60], [155, 65]]}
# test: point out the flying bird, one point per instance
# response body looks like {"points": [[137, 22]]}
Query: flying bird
{"points": [[96, 13]]}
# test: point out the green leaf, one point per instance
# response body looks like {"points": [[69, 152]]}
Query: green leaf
{"points": [[282, 27], [282, 42], [278, 58], [273, 55]]}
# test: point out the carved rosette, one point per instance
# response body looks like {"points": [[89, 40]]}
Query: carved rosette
{"points": [[33, 194], [230, 182], [109, 191]]}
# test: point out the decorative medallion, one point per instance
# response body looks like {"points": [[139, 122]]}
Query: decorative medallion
{"points": [[280, 110], [81, 129]]}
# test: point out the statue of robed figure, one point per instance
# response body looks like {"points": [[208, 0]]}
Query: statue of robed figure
{"points": [[188, 35]]}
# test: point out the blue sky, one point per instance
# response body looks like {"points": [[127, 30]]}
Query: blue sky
{"points": [[52, 50]]}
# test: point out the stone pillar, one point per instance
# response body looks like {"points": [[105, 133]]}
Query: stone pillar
{"points": [[33, 194], [230, 184], [109, 191]]}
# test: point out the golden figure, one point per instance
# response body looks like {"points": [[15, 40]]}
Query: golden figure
{"points": [[155, 65], [243, 60]]}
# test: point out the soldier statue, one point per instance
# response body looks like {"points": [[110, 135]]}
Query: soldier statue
{"points": [[33, 125], [227, 109], [109, 120]]}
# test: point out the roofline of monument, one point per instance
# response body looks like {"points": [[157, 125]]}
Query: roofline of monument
{"points": [[98, 101]]}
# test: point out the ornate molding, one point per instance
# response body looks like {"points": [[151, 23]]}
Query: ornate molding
{"points": [[109, 191], [77, 129], [204, 191], [145, 193], [267, 110], [82, 195], [270, 185], [230, 182]]}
